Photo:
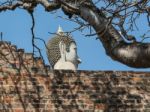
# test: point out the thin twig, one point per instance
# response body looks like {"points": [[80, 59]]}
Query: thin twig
{"points": [[33, 38]]}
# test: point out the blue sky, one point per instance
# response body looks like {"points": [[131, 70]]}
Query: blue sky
{"points": [[16, 25]]}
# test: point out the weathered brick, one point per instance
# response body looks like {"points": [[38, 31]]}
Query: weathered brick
{"points": [[33, 88]]}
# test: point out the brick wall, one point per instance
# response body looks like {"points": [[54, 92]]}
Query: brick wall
{"points": [[27, 85]]}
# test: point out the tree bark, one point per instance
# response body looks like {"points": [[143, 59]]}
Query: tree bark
{"points": [[135, 54]]}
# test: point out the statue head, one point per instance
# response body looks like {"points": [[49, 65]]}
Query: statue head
{"points": [[62, 51]]}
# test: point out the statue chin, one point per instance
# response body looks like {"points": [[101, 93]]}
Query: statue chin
{"points": [[64, 66]]}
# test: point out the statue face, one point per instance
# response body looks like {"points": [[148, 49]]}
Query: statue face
{"points": [[71, 55], [69, 59]]}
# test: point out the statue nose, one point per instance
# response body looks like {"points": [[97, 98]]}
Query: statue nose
{"points": [[79, 60]]}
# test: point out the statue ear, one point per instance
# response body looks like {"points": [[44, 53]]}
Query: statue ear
{"points": [[62, 47]]}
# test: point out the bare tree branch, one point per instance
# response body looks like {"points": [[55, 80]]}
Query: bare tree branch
{"points": [[107, 20]]}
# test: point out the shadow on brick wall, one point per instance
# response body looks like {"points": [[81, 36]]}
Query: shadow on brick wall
{"points": [[27, 85]]}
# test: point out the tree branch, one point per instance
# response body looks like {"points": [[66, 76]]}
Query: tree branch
{"points": [[11, 7], [30, 4], [136, 54]]}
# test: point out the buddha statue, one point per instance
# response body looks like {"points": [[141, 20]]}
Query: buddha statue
{"points": [[62, 52]]}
